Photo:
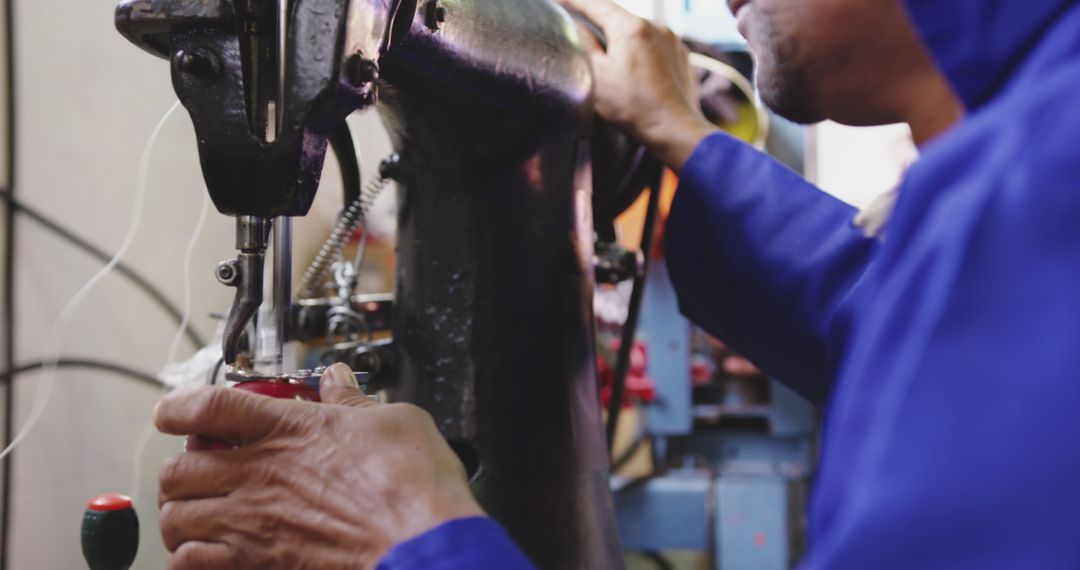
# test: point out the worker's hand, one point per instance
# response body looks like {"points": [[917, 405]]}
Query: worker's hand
{"points": [[331, 485], [644, 82]]}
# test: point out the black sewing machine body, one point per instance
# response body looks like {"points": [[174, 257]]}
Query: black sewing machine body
{"points": [[488, 104]]}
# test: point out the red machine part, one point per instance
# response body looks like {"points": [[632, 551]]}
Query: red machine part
{"points": [[281, 389], [640, 388]]}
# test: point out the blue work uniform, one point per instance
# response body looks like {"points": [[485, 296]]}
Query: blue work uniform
{"points": [[947, 355]]}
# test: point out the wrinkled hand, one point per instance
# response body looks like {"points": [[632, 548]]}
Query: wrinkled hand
{"points": [[644, 82], [331, 485]]}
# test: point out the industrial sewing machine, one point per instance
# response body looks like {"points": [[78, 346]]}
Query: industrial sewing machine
{"points": [[491, 329], [488, 105]]}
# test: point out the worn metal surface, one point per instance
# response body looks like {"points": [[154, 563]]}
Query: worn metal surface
{"points": [[224, 69], [490, 111], [246, 275]]}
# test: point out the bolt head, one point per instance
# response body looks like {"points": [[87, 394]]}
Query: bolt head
{"points": [[360, 71], [391, 167], [227, 273], [200, 63], [436, 15]]}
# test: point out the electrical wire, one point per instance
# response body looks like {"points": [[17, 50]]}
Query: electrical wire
{"points": [[9, 276], [622, 362], [58, 333], [122, 269], [627, 455], [148, 380], [217, 370], [8, 376]]}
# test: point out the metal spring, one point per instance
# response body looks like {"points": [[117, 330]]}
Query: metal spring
{"points": [[315, 277]]}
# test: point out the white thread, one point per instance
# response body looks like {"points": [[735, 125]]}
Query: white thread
{"points": [[58, 332], [197, 232], [143, 442]]}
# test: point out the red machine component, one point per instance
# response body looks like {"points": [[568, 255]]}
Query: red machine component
{"points": [[640, 388], [287, 390], [281, 389]]}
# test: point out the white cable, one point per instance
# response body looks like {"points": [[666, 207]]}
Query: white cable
{"points": [[196, 233], [58, 332], [143, 442]]}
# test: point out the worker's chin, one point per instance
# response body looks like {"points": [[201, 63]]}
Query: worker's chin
{"points": [[788, 92], [784, 78]]}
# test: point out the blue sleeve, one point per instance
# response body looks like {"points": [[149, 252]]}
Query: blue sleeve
{"points": [[766, 262], [953, 439], [476, 543]]}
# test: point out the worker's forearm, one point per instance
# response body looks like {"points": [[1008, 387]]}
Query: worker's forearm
{"points": [[674, 139], [765, 261]]}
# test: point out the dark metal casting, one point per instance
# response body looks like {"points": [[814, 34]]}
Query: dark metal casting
{"points": [[494, 328], [225, 66], [490, 111]]}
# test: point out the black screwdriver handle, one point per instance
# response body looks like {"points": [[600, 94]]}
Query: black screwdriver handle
{"points": [[110, 533]]}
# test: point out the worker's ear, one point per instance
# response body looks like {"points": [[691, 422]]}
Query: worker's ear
{"points": [[338, 386]]}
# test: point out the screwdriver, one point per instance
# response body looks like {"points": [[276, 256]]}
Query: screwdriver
{"points": [[110, 533]]}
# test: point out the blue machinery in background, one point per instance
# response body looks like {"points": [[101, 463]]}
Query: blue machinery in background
{"points": [[732, 476], [737, 493]]}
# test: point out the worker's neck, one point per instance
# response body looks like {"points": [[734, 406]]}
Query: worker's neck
{"points": [[930, 108]]}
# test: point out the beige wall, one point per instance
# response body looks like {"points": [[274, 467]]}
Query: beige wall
{"points": [[88, 100]]}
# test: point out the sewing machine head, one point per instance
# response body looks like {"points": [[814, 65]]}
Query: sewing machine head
{"points": [[265, 83]]}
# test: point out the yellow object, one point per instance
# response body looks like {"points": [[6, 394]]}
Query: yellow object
{"points": [[753, 123], [752, 126]]}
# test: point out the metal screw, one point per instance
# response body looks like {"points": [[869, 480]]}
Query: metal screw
{"points": [[360, 71], [201, 63], [391, 167], [436, 15], [228, 273]]}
